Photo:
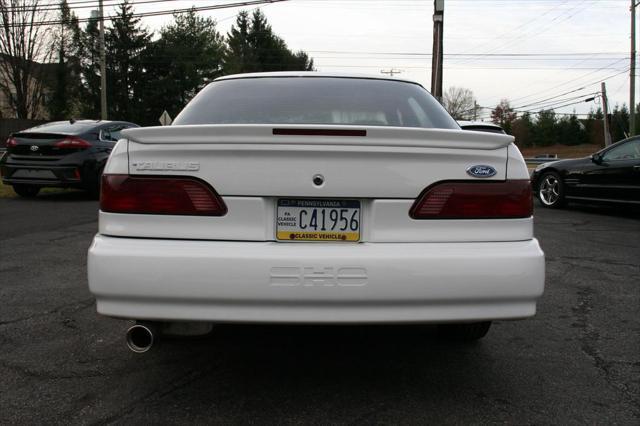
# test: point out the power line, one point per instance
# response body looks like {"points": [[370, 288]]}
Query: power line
{"points": [[382, 65], [357, 52], [157, 13], [561, 106], [573, 80], [538, 32], [545, 103], [93, 4], [520, 26]]}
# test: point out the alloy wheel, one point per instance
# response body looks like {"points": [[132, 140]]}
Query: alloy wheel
{"points": [[549, 190]]}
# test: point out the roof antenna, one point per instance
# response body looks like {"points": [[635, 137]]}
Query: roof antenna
{"points": [[72, 120]]}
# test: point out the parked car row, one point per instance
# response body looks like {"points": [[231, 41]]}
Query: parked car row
{"points": [[312, 198], [72, 154]]}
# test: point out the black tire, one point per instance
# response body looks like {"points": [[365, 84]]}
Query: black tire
{"points": [[550, 190], [94, 186], [26, 191], [464, 332]]}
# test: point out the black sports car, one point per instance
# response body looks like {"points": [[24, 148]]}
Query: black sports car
{"points": [[65, 154], [481, 126], [610, 175]]}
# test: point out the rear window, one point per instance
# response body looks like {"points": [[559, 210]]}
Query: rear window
{"points": [[316, 100], [62, 127]]}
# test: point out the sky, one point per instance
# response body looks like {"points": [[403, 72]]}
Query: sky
{"points": [[535, 53]]}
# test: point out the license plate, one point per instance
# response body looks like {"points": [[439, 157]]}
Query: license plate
{"points": [[33, 174], [318, 220]]}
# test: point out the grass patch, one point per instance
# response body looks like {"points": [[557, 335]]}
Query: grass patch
{"points": [[6, 191]]}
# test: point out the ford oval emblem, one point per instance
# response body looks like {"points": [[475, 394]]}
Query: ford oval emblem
{"points": [[481, 171]]}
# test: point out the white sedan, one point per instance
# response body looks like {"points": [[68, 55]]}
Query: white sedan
{"points": [[314, 198]]}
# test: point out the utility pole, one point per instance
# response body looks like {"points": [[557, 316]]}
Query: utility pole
{"points": [[103, 67], [605, 107], [632, 72], [475, 110], [436, 57]]}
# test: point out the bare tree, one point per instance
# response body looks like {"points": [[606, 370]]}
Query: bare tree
{"points": [[24, 45], [460, 103]]}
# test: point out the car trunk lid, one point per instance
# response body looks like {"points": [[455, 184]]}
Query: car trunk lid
{"points": [[39, 145]]}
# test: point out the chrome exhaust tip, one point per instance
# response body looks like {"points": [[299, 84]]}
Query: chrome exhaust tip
{"points": [[141, 337]]}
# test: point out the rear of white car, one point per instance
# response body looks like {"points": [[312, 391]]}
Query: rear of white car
{"points": [[307, 198]]}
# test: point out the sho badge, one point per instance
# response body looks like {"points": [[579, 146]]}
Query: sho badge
{"points": [[312, 276], [481, 171]]}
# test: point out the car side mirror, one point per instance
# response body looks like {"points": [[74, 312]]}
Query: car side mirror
{"points": [[596, 158]]}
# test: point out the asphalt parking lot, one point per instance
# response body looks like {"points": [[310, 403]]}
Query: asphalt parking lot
{"points": [[577, 361]]}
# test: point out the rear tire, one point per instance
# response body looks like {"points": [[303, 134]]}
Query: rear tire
{"points": [[95, 184], [464, 332], [26, 191]]}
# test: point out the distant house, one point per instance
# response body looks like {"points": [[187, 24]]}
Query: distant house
{"points": [[43, 75]]}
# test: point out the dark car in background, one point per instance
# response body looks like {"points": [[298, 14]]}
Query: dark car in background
{"points": [[611, 175], [481, 126], [63, 154]]}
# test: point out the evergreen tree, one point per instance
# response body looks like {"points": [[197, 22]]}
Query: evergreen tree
{"points": [[569, 131], [90, 67], [126, 42], [578, 129], [239, 55], [252, 46], [186, 57], [619, 123], [599, 115], [545, 131], [66, 90], [522, 130]]}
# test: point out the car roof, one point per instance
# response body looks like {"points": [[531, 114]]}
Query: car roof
{"points": [[465, 123], [480, 126], [71, 127], [298, 74]]}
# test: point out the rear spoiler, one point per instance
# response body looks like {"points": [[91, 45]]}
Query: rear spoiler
{"points": [[297, 134]]}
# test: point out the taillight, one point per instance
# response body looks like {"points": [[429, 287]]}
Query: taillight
{"points": [[73, 142], [11, 142], [159, 195], [475, 200]]}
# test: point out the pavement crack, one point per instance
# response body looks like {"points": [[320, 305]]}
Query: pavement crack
{"points": [[589, 339]]}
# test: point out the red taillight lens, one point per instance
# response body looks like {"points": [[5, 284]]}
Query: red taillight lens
{"points": [[159, 195], [73, 142], [475, 200], [11, 142]]}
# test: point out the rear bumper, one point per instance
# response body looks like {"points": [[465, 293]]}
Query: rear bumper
{"points": [[315, 283], [42, 175], [78, 169]]}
